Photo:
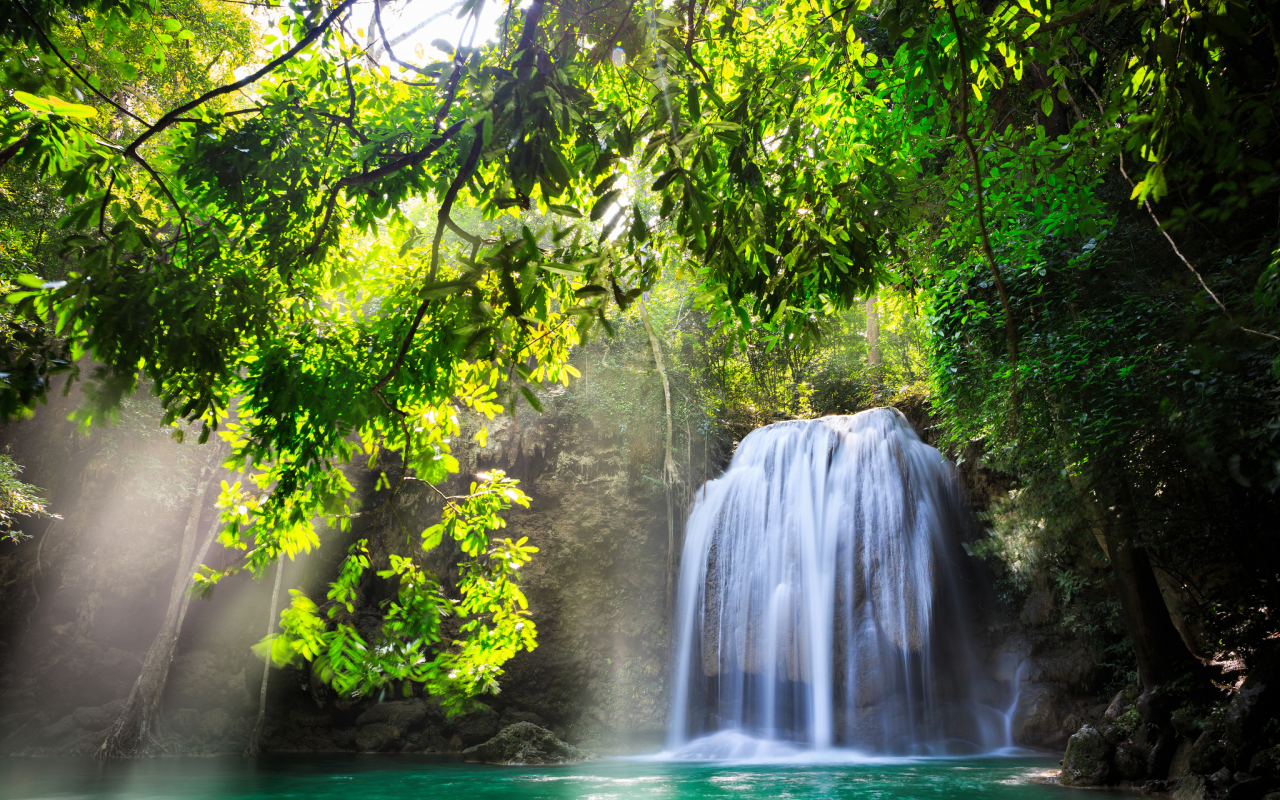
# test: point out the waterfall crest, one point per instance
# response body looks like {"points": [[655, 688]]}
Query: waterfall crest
{"points": [[820, 597]]}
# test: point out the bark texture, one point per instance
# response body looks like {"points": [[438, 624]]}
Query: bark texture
{"points": [[141, 712]]}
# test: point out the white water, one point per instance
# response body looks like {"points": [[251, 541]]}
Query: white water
{"points": [[820, 600]]}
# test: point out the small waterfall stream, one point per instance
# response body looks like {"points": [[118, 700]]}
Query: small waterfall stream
{"points": [[822, 598]]}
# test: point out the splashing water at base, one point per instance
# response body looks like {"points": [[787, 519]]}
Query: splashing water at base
{"points": [[820, 600]]}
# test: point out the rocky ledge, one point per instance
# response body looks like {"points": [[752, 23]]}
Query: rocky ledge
{"points": [[525, 744]]}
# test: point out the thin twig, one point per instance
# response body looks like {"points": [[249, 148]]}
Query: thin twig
{"points": [[1159, 226]]}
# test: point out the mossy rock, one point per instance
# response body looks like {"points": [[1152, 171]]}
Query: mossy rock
{"points": [[525, 744], [1087, 761]]}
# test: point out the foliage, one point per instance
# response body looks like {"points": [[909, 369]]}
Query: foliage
{"points": [[329, 255], [17, 499], [497, 622]]}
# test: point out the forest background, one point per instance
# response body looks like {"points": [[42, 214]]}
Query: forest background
{"points": [[1068, 213]]}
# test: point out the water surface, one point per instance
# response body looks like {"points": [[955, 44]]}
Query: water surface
{"points": [[374, 777]]}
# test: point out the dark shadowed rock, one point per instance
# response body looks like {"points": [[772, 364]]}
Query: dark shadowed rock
{"points": [[1256, 702], [1087, 761], [1192, 787], [525, 744], [1253, 788], [377, 738], [1266, 762], [406, 715], [476, 727], [1130, 761], [1207, 752]]}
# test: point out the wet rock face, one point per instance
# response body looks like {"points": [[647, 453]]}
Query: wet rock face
{"points": [[1088, 759], [525, 744]]}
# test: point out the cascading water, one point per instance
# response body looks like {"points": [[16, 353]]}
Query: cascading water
{"points": [[822, 597]]}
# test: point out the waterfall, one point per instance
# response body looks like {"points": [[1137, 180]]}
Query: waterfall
{"points": [[821, 596]]}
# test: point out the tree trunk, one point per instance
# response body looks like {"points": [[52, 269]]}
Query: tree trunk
{"points": [[266, 670], [139, 718], [873, 332], [669, 472], [1161, 654]]}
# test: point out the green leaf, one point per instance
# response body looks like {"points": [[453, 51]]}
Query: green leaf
{"points": [[531, 398], [52, 105], [602, 205]]}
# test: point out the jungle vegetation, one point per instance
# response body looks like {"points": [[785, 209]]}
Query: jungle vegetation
{"points": [[320, 246]]}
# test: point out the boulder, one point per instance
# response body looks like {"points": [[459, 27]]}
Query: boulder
{"points": [[1207, 752], [405, 715], [1087, 761], [1266, 762], [1253, 788], [1256, 702], [1120, 703], [57, 732], [525, 744], [378, 737], [1130, 761], [215, 723], [476, 727]]}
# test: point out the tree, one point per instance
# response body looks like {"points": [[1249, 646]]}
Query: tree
{"points": [[260, 263]]}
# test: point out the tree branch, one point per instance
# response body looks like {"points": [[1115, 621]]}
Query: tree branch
{"points": [[446, 206], [169, 118], [53, 49], [1010, 330]]}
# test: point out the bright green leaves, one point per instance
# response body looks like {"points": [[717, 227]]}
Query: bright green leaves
{"points": [[53, 105], [496, 623]]}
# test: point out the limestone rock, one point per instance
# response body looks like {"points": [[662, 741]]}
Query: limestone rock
{"points": [[1087, 761], [95, 718], [1181, 765], [377, 738], [1267, 762], [1256, 703], [525, 744], [1038, 720], [1120, 703], [201, 680], [1192, 787], [1039, 606]]}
